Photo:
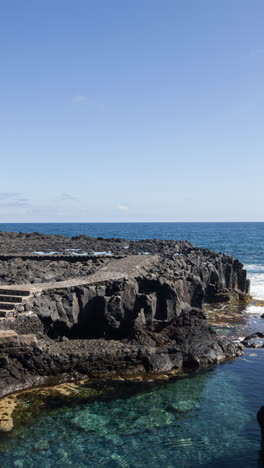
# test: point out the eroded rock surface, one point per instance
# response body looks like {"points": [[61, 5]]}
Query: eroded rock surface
{"points": [[25, 270], [136, 314]]}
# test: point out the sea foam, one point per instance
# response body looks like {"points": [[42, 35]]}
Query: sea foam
{"points": [[256, 285], [256, 276]]}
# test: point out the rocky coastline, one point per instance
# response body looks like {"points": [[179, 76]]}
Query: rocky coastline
{"points": [[108, 308]]}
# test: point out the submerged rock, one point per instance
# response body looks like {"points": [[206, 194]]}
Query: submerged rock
{"points": [[260, 419], [249, 342]]}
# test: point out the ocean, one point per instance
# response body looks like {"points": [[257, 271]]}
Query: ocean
{"points": [[207, 419]]}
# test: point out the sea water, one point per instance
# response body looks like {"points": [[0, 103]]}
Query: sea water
{"points": [[207, 419]]}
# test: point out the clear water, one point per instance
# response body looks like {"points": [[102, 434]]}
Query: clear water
{"points": [[205, 420]]}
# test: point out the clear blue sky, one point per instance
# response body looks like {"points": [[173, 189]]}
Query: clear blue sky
{"points": [[131, 110]]}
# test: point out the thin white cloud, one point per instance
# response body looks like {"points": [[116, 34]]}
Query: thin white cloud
{"points": [[67, 197], [123, 207], [79, 99], [8, 195], [13, 199], [258, 52]]}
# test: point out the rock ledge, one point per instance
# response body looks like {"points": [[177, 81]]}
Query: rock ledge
{"points": [[124, 315]]}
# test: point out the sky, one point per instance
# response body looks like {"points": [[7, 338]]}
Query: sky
{"points": [[131, 110]]}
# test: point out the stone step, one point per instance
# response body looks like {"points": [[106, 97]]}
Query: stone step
{"points": [[7, 305], [14, 299], [14, 292], [3, 313]]}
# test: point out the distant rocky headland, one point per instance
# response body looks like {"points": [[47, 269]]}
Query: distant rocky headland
{"points": [[79, 307]]}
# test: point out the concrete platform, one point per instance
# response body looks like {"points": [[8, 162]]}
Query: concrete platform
{"points": [[125, 267]]}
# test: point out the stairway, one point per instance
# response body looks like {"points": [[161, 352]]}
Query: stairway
{"points": [[9, 298]]}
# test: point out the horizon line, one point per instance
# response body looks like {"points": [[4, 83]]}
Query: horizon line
{"points": [[130, 222]]}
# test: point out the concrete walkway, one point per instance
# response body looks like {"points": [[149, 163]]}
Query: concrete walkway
{"points": [[126, 267]]}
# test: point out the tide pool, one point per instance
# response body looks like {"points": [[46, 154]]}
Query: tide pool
{"points": [[208, 419]]}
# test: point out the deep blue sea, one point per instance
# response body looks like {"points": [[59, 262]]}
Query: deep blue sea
{"points": [[206, 420]]}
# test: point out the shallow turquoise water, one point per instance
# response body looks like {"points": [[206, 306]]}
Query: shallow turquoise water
{"points": [[208, 420], [205, 420]]}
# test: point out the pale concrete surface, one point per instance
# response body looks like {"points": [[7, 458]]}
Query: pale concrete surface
{"points": [[127, 267]]}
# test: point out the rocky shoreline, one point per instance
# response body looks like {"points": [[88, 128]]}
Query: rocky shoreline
{"points": [[133, 311]]}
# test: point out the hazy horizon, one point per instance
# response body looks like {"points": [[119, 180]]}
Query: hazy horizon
{"points": [[134, 222]]}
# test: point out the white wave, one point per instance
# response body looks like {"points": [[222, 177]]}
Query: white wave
{"points": [[256, 276], [255, 267], [254, 310], [109, 253], [78, 253], [238, 339], [256, 285], [45, 253]]}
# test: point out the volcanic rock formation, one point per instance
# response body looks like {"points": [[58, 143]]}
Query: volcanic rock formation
{"points": [[137, 309]]}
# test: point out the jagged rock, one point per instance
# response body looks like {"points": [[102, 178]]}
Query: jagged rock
{"points": [[247, 342], [147, 319]]}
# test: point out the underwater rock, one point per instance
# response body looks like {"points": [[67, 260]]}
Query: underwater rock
{"points": [[260, 419], [248, 341]]}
